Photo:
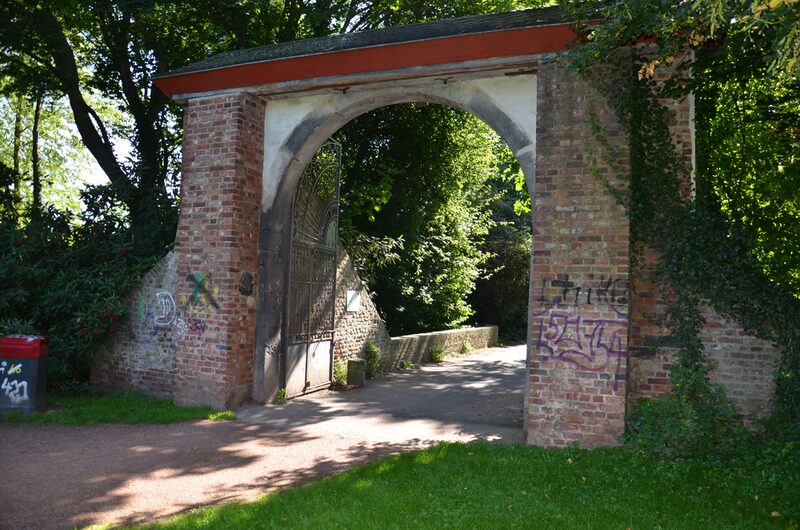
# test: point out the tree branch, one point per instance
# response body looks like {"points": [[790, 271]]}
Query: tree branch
{"points": [[66, 68]]}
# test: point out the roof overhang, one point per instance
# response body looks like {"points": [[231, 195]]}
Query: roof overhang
{"points": [[436, 53]]}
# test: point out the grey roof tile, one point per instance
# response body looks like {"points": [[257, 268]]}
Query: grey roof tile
{"points": [[378, 37]]}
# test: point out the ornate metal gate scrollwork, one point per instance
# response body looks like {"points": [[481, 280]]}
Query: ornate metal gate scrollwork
{"points": [[312, 274]]}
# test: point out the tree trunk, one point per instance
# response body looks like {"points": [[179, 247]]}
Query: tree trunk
{"points": [[16, 195], [36, 208]]}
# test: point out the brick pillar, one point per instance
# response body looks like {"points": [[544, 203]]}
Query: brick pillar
{"points": [[579, 291], [217, 241]]}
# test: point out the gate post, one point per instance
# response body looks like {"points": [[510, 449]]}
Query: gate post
{"points": [[217, 241], [578, 346]]}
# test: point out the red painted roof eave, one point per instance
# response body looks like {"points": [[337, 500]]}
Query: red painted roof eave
{"points": [[460, 48]]}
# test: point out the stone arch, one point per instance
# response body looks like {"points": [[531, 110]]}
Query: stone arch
{"points": [[317, 118]]}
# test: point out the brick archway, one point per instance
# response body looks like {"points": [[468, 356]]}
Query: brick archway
{"points": [[252, 125]]}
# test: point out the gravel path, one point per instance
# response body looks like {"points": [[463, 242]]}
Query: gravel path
{"points": [[58, 476]]}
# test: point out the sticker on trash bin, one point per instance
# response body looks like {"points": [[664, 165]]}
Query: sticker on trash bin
{"points": [[14, 387]]}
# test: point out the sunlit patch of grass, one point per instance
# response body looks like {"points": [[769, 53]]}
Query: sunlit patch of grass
{"points": [[114, 408], [483, 486]]}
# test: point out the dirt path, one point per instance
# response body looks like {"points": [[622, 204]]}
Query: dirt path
{"points": [[60, 476]]}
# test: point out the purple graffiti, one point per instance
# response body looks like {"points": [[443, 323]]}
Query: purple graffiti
{"points": [[198, 326], [596, 345], [570, 325]]}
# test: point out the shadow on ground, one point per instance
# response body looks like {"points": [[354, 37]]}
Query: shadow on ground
{"points": [[64, 476]]}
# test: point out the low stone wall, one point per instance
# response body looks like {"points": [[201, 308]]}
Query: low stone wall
{"points": [[417, 348]]}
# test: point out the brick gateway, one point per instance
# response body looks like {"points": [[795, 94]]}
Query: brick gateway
{"points": [[254, 119]]}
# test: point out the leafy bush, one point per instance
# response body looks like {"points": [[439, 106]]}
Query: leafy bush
{"points": [[680, 428], [339, 373], [466, 347], [418, 202], [437, 354], [67, 278], [373, 356], [15, 326], [500, 295]]}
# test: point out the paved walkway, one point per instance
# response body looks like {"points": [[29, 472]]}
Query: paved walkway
{"points": [[58, 476]]}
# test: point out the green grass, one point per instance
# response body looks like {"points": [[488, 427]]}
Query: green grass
{"points": [[114, 408], [481, 486]]}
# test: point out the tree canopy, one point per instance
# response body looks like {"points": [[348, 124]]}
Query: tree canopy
{"points": [[77, 49], [417, 186]]}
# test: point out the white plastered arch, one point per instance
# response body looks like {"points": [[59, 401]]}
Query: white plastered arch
{"points": [[296, 126]]}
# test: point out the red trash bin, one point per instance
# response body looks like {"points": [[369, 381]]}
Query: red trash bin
{"points": [[23, 373]]}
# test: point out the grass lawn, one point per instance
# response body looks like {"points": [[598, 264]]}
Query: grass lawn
{"points": [[477, 486], [114, 408]]}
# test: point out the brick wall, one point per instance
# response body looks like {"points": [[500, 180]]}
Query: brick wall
{"points": [[744, 366], [217, 242], [141, 357], [579, 291]]}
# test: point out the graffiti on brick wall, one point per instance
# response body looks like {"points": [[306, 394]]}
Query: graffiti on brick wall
{"points": [[567, 328], [203, 299], [162, 319], [167, 314], [609, 291]]}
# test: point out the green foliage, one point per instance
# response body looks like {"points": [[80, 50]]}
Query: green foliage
{"points": [[437, 354], [466, 347], [406, 364], [68, 281], [511, 486], [281, 397], [15, 326], [90, 409], [63, 161], [500, 296], [749, 130], [679, 428], [373, 356], [424, 198], [339, 373]]}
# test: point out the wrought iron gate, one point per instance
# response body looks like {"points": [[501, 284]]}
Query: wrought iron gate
{"points": [[312, 274]]}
